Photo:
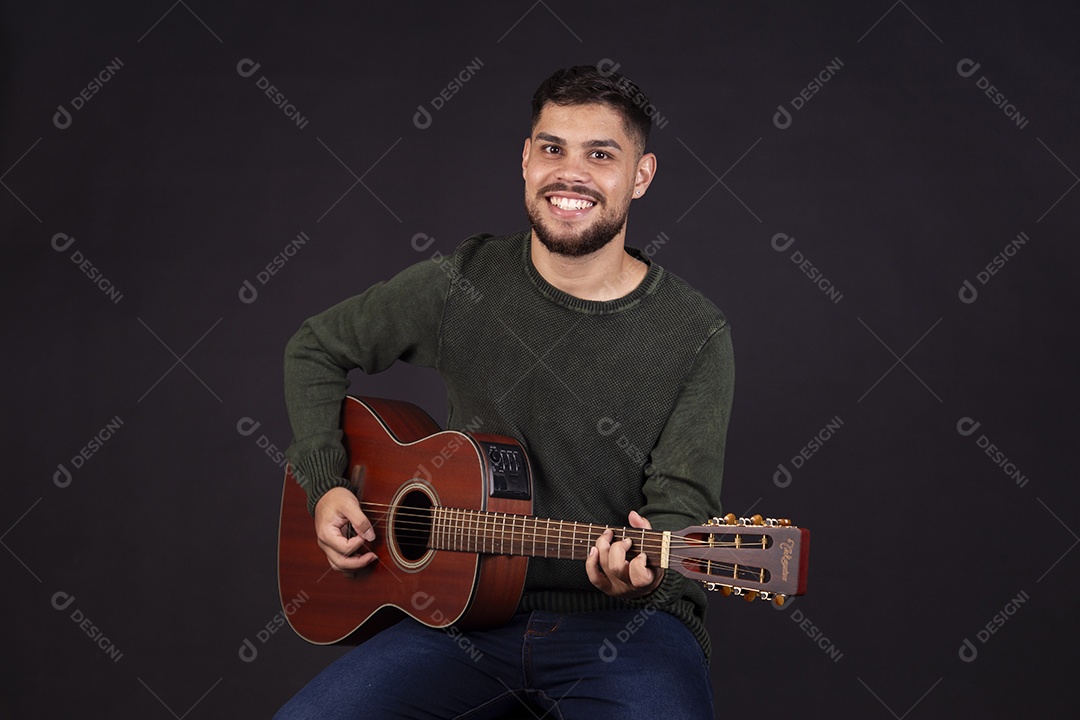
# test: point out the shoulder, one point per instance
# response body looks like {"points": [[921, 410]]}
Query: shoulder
{"points": [[484, 249], [688, 306]]}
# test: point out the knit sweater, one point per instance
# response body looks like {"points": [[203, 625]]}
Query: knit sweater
{"points": [[621, 405]]}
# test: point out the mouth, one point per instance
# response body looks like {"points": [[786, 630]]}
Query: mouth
{"points": [[564, 202], [567, 205]]}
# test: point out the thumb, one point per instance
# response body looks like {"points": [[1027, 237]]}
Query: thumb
{"points": [[636, 520]]}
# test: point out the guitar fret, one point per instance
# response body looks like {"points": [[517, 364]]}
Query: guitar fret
{"points": [[439, 527], [469, 539], [433, 540], [483, 526], [513, 522], [463, 535], [444, 534], [492, 532], [450, 529]]}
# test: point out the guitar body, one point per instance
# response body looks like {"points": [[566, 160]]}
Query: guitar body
{"points": [[401, 465]]}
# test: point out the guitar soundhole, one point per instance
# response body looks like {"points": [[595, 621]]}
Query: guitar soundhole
{"points": [[412, 525]]}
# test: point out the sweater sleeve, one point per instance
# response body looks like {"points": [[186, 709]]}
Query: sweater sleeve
{"points": [[682, 485], [395, 320]]}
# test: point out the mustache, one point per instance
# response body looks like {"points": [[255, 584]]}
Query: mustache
{"points": [[576, 189]]}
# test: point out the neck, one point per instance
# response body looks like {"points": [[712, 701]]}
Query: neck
{"points": [[607, 274], [504, 534]]}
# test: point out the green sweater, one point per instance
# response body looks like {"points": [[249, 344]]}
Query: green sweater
{"points": [[621, 405]]}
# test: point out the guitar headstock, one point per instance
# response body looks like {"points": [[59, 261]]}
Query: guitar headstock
{"points": [[754, 557]]}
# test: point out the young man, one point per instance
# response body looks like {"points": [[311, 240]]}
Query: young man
{"points": [[617, 378]]}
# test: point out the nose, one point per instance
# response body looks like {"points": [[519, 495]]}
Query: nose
{"points": [[573, 169]]}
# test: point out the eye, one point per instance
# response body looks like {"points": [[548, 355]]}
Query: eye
{"points": [[600, 155], [552, 149]]}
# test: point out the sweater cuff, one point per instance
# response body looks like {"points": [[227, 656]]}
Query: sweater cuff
{"points": [[319, 473]]}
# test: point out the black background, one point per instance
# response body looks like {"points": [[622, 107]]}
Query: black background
{"points": [[899, 180]]}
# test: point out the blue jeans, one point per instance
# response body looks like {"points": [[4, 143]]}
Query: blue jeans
{"points": [[597, 665]]}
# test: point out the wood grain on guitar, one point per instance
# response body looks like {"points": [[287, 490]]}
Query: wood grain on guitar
{"points": [[452, 515]]}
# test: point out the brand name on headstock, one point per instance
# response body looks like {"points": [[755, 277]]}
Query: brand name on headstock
{"points": [[788, 546]]}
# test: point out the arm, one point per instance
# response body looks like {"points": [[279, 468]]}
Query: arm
{"points": [[398, 319], [683, 477]]}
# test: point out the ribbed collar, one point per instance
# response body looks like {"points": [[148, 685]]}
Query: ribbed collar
{"points": [[647, 286]]}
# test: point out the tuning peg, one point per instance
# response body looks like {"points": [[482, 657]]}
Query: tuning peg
{"points": [[725, 591], [750, 596], [729, 519], [779, 599], [757, 520]]}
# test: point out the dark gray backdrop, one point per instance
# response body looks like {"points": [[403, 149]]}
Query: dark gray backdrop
{"points": [[837, 177]]}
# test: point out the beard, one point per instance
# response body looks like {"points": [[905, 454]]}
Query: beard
{"points": [[568, 243]]}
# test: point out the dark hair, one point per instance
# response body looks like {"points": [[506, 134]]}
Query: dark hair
{"points": [[585, 85]]}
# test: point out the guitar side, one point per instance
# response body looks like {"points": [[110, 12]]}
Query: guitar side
{"points": [[393, 449]]}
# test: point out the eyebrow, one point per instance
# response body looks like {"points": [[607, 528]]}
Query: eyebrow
{"points": [[588, 144]]}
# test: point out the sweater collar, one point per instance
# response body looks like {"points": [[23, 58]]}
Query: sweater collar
{"points": [[646, 287]]}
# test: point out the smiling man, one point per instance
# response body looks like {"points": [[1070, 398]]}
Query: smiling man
{"points": [[614, 374]]}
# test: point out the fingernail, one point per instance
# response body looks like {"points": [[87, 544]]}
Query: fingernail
{"points": [[369, 535], [592, 551]]}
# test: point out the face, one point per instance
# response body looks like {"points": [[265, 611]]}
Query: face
{"points": [[581, 171]]}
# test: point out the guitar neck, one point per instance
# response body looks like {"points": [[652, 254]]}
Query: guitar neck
{"points": [[479, 531]]}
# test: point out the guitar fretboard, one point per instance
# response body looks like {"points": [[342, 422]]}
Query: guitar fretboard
{"points": [[480, 531]]}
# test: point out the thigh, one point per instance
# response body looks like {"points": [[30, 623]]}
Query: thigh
{"points": [[411, 671], [619, 664]]}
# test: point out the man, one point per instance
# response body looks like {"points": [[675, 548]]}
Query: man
{"points": [[617, 378]]}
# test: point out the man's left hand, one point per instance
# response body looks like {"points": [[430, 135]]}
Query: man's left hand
{"points": [[612, 573]]}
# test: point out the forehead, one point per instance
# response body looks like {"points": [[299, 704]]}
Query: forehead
{"points": [[582, 123]]}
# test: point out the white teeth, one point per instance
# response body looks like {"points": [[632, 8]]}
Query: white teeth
{"points": [[570, 204]]}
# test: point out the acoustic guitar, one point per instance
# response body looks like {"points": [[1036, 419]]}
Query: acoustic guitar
{"points": [[452, 515]]}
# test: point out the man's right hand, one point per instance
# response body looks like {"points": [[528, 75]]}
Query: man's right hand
{"points": [[334, 512]]}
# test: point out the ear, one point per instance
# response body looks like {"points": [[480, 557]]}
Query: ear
{"points": [[643, 177], [525, 156]]}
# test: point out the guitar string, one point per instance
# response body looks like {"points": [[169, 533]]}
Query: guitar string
{"points": [[482, 531], [481, 520]]}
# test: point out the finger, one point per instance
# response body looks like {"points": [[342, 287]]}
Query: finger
{"points": [[639, 521], [335, 530], [349, 513], [592, 569], [331, 538], [615, 564], [612, 556], [602, 545], [361, 525], [641, 575]]}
